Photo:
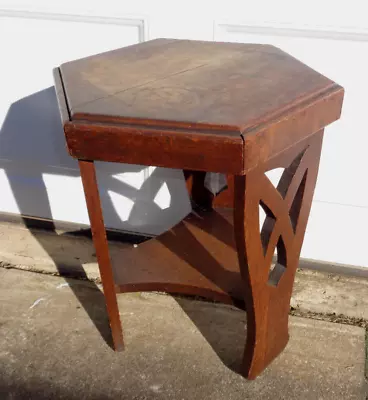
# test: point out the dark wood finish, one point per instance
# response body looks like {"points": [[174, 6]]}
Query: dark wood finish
{"points": [[190, 84], [267, 294], [89, 180], [115, 143], [196, 257], [201, 150], [268, 140], [202, 198], [238, 109], [207, 103]]}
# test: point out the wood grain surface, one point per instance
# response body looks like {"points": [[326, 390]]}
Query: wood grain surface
{"points": [[227, 86], [221, 107], [239, 109]]}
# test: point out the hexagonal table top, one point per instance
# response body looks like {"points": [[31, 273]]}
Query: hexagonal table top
{"points": [[226, 86]]}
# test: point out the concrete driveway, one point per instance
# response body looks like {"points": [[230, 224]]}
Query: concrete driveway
{"points": [[55, 344]]}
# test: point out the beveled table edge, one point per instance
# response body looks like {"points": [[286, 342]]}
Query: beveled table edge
{"points": [[250, 147]]}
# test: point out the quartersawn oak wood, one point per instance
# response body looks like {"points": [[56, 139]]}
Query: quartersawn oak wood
{"points": [[197, 256], [155, 147], [89, 180], [193, 84], [223, 107], [267, 294], [240, 109], [201, 150]]}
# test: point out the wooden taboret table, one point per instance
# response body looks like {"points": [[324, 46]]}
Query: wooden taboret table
{"points": [[235, 109]]}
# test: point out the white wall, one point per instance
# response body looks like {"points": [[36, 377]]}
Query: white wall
{"points": [[37, 176]]}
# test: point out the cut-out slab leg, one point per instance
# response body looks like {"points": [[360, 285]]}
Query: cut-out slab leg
{"points": [[267, 295], [88, 174]]}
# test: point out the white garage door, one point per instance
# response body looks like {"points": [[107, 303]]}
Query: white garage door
{"points": [[38, 178]]}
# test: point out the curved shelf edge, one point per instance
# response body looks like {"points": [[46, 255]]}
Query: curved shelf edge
{"points": [[182, 289], [196, 257]]}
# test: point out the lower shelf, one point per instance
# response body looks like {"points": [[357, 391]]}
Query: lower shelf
{"points": [[195, 257]]}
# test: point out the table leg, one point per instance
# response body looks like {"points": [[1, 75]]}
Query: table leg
{"points": [[88, 174], [268, 285]]}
